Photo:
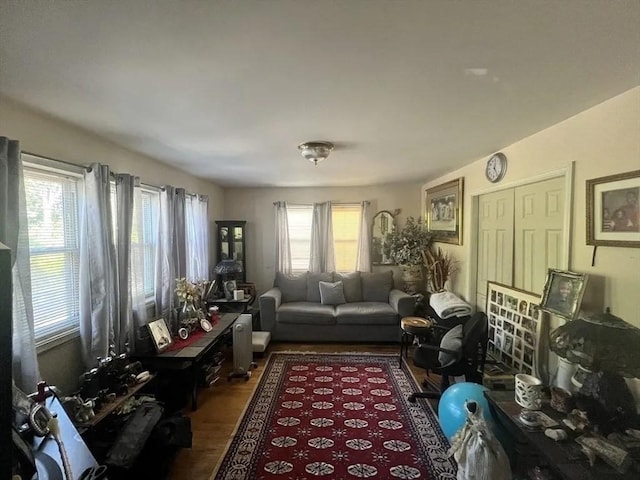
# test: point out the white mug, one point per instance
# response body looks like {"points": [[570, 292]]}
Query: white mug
{"points": [[528, 391], [238, 294]]}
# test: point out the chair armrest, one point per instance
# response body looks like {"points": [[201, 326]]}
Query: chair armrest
{"points": [[402, 302], [269, 303]]}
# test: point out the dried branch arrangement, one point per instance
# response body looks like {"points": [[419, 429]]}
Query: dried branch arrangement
{"points": [[440, 266]]}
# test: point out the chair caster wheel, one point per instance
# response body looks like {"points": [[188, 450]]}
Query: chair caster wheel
{"points": [[412, 398]]}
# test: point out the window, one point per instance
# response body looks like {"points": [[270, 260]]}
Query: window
{"points": [[143, 238], [346, 229], [299, 219], [54, 247]]}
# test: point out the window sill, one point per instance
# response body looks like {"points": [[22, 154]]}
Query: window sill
{"points": [[57, 340]]}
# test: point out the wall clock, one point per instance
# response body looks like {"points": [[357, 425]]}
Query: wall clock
{"points": [[496, 167]]}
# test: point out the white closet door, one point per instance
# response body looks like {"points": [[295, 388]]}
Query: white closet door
{"points": [[538, 232], [520, 235], [495, 242]]}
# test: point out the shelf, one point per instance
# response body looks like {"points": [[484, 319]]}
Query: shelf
{"points": [[111, 407]]}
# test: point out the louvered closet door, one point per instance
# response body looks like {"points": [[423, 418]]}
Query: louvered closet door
{"points": [[495, 242], [539, 232]]}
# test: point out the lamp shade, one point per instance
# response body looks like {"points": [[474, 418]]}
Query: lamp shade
{"points": [[226, 267], [599, 342]]}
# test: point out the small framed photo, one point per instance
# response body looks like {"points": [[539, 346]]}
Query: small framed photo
{"points": [[160, 334], [443, 211], [613, 218], [229, 287], [563, 293]]}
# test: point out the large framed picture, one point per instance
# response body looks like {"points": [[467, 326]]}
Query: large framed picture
{"points": [[160, 334], [612, 210], [563, 293], [516, 328], [443, 211]]}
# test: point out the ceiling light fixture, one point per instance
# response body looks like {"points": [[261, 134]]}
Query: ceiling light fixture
{"points": [[315, 151]]}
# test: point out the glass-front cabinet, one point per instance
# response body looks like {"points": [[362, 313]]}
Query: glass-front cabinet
{"points": [[231, 243]]}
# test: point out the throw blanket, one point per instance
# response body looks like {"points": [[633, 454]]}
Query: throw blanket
{"points": [[447, 305]]}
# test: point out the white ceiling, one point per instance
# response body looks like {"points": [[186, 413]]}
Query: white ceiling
{"points": [[409, 90]]}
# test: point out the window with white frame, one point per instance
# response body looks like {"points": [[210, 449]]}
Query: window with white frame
{"points": [[299, 220], [144, 233], [346, 228], [54, 248]]}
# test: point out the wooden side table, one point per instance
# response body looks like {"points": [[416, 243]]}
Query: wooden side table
{"points": [[412, 327]]}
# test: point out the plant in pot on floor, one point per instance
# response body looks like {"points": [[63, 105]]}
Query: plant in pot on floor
{"points": [[405, 247]]}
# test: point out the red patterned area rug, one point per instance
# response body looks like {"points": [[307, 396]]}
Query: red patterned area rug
{"points": [[336, 416]]}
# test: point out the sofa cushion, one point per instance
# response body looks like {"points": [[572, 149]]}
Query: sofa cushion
{"points": [[376, 286], [366, 313], [352, 285], [331, 293], [306, 313], [313, 287], [452, 340], [293, 287]]}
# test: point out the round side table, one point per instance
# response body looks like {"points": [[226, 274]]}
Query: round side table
{"points": [[412, 327]]}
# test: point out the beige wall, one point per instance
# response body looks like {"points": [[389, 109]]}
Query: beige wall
{"points": [[50, 137], [603, 140], [255, 205]]}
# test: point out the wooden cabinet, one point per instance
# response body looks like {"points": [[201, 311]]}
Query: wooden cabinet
{"points": [[231, 235]]}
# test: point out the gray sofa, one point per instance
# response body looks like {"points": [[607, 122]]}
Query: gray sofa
{"points": [[293, 310]]}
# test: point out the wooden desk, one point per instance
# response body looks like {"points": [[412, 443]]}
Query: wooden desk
{"points": [[191, 356], [241, 306], [564, 458]]}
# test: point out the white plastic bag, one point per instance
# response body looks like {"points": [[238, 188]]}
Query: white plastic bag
{"points": [[479, 454]]}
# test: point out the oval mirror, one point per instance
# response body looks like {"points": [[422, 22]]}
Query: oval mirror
{"points": [[383, 224]]}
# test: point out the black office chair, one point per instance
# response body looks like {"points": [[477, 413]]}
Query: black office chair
{"points": [[468, 360]]}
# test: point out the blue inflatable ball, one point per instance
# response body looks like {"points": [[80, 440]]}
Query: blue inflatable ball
{"points": [[451, 411]]}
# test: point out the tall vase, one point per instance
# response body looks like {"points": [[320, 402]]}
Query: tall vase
{"points": [[412, 278], [188, 316]]}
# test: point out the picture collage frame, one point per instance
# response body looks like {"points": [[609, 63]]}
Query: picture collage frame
{"points": [[515, 327]]}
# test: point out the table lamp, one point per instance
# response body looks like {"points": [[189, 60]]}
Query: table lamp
{"points": [[605, 348]]}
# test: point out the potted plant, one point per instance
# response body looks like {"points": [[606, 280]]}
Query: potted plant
{"points": [[405, 247], [440, 266]]}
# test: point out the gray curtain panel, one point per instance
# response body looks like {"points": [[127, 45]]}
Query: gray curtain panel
{"points": [[123, 328], [99, 302], [14, 233], [171, 256]]}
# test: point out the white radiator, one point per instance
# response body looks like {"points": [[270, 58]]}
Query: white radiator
{"points": [[242, 347]]}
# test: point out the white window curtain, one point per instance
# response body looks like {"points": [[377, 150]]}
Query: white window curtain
{"points": [[283, 248], [322, 251], [14, 233], [363, 259], [99, 303], [170, 260], [197, 226]]}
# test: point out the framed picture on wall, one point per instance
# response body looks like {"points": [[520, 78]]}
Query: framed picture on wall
{"points": [[443, 211], [613, 218]]}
